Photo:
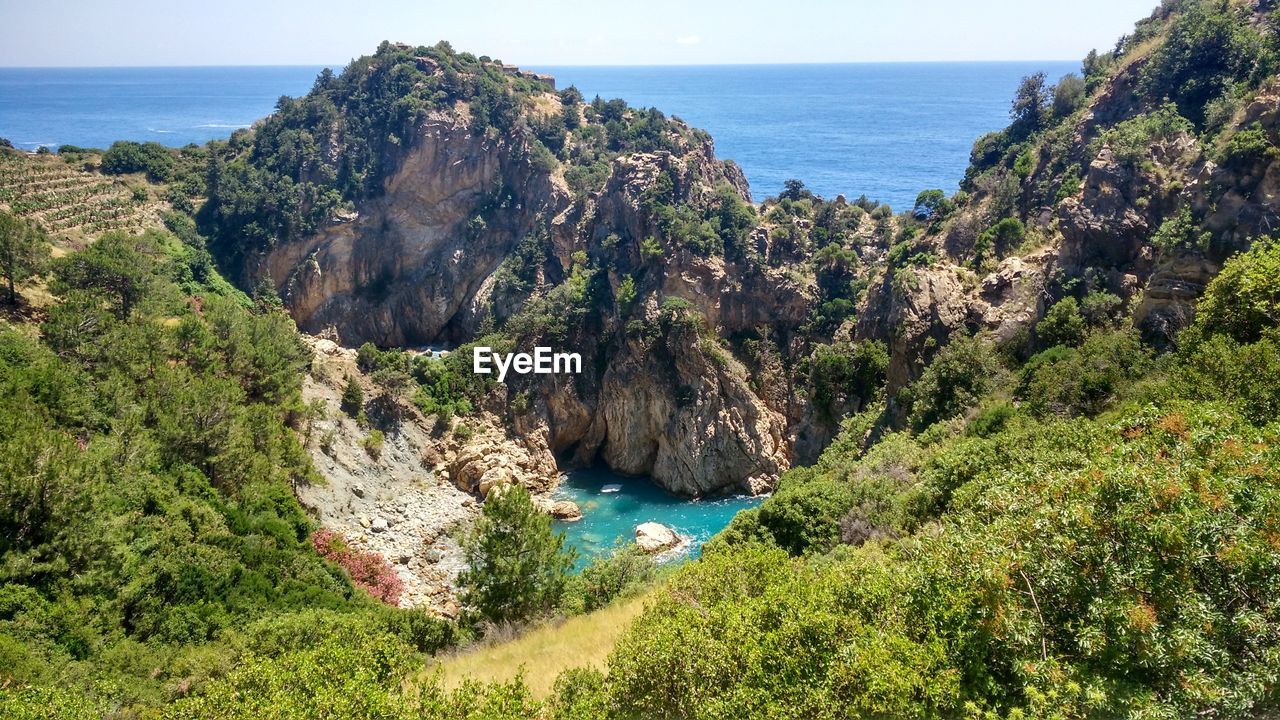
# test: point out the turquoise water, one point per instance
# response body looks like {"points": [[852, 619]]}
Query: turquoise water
{"points": [[609, 516], [886, 130]]}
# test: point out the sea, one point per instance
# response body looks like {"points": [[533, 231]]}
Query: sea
{"points": [[885, 130]]}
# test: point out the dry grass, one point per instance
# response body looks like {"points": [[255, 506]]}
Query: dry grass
{"points": [[543, 653]]}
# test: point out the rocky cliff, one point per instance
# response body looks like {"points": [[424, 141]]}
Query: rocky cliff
{"points": [[723, 341]]}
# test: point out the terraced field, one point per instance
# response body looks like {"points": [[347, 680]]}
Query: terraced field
{"points": [[69, 201]]}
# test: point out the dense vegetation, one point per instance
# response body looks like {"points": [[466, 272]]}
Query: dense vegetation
{"points": [[318, 154], [1123, 562], [148, 530]]}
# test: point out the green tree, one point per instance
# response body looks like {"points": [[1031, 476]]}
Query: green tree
{"points": [[352, 398], [1030, 107], [932, 204], [117, 266], [517, 566], [794, 190], [1067, 95], [23, 251], [1062, 324]]}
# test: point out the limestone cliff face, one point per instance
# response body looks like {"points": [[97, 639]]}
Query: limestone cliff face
{"points": [[408, 268], [420, 264]]}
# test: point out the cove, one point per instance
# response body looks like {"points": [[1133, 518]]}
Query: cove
{"points": [[613, 505]]}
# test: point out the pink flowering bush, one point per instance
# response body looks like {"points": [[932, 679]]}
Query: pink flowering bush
{"points": [[368, 570]]}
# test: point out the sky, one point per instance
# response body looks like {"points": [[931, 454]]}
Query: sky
{"points": [[558, 32]]}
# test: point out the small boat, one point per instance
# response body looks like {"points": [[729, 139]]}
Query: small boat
{"points": [[611, 488]]}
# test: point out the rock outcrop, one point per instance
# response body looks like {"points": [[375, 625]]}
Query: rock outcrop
{"points": [[420, 264], [652, 537]]}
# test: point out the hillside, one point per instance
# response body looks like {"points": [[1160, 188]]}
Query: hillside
{"points": [[1021, 440]]}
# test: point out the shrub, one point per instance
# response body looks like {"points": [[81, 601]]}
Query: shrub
{"points": [[1245, 375], [997, 241], [1131, 141], [1100, 309], [368, 570], [804, 513], [1248, 148], [1210, 48], [624, 571], [152, 158], [626, 295], [1068, 382], [1244, 298], [517, 567], [955, 379], [1062, 324], [991, 420], [846, 373], [373, 443], [1179, 234]]}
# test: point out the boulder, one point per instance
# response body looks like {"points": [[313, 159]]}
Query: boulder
{"points": [[655, 537], [566, 510]]}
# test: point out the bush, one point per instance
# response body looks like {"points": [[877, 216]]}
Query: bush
{"points": [[803, 515], [624, 571], [1062, 324], [1244, 299], [517, 567], [152, 158], [997, 241], [1131, 141], [1067, 382], [1180, 234], [1247, 148], [1245, 375], [1210, 48], [1014, 607], [955, 379], [373, 442], [1100, 309], [368, 570], [846, 373]]}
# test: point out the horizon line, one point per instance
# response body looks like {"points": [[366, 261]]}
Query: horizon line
{"points": [[335, 66]]}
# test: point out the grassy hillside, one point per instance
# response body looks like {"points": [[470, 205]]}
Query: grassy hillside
{"points": [[540, 656]]}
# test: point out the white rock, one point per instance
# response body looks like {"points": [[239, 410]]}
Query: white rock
{"points": [[655, 537], [379, 525]]}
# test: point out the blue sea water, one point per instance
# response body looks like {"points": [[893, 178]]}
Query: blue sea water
{"points": [[885, 130], [612, 507], [93, 107]]}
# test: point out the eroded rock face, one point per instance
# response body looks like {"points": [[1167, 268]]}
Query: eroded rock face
{"points": [[408, 269], [689, 420], [418, 265]]}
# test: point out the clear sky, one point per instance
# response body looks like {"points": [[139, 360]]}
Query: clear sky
{"points": [[558, 32]]}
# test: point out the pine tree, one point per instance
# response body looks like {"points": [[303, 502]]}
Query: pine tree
{"points": [[23, 251], [517, 567], [353, 398]]}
